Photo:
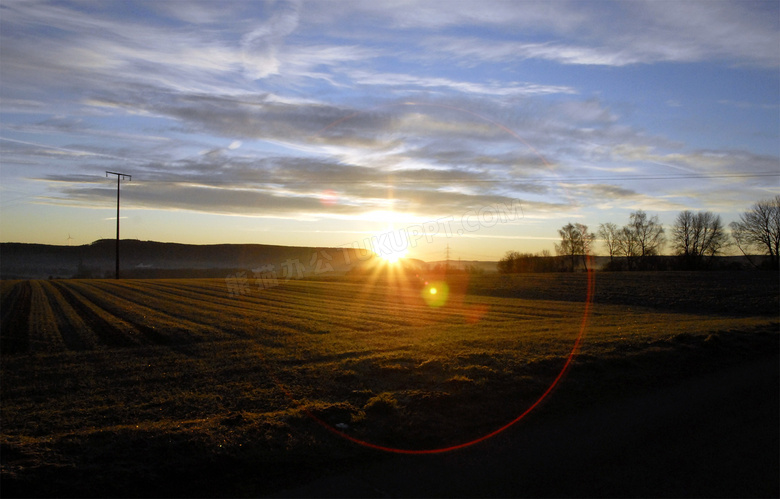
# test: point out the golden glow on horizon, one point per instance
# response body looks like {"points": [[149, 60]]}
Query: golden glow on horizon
{"points": [[394, 257]]}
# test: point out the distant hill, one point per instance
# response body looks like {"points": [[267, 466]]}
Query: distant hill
{"points": [[150, 259]]}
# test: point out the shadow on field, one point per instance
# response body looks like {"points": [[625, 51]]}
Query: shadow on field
{"points": [[686, 417], [715, 435]]}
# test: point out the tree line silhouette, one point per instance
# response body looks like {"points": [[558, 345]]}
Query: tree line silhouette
{"points": [[696, 239]]}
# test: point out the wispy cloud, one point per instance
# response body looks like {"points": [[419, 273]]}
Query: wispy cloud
{"points": [[642, 33], [710, 162], [422, 83], [474, 51], [260, 46]]}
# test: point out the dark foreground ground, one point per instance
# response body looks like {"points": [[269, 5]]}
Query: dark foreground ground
{"points": [[677, 406], [714, 435]]}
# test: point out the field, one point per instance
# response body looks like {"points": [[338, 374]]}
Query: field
{"points": [[190, 388]]}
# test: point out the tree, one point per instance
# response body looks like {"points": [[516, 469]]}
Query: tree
{"points": [[610, 234], [638, 241], [576, 243], [759, 230], [649, 233], [697, 236], [507, 264], [627, 246], [514, 262]]}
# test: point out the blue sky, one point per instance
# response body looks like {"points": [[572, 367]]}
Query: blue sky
{"points": [[326, 123]]}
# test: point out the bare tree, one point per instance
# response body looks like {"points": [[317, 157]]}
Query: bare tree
{"points": [[639, 240], [759, 230], [649, 233], [627, 246], [697, 236], [609, 233], [576, 243]]}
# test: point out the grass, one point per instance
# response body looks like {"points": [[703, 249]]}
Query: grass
{"points": [[203, 393]]}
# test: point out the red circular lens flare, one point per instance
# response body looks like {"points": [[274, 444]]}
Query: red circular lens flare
{"points": [[432, 293], [591, 284]]}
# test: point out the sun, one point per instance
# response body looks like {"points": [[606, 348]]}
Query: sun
{"points": [[390, 245], [393, 257]]}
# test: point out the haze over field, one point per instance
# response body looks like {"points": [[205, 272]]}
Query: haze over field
{"points": [[327, 123]]}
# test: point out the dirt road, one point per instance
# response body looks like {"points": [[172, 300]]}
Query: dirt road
{"points": [[716, 435]]}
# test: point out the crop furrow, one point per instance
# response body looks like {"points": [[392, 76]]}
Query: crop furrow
{"points": [[355, 309], [235, 314], [75, 333], [157, 318], [8, 298], [269, 309], [384, 300], [204, 290], [351, 306], [6, 287], [108, 333], [153, 330], [15, 330], [44, 331], [219, 294], [210, 299], [331, 305], [384, 304], [216, 318]]}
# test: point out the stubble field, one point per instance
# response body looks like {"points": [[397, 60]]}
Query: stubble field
{"points": [[188, 388]]}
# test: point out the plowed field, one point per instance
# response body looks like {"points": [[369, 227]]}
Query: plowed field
{"points": [[204, 389]]}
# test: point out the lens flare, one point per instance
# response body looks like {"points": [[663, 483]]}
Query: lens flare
{"points": [[436, 293], [329, 197]]}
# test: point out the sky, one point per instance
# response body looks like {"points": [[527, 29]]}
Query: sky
{"points": [[478, 126]]}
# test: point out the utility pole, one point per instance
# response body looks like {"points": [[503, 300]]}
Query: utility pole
{"points": [[119, 176]]}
